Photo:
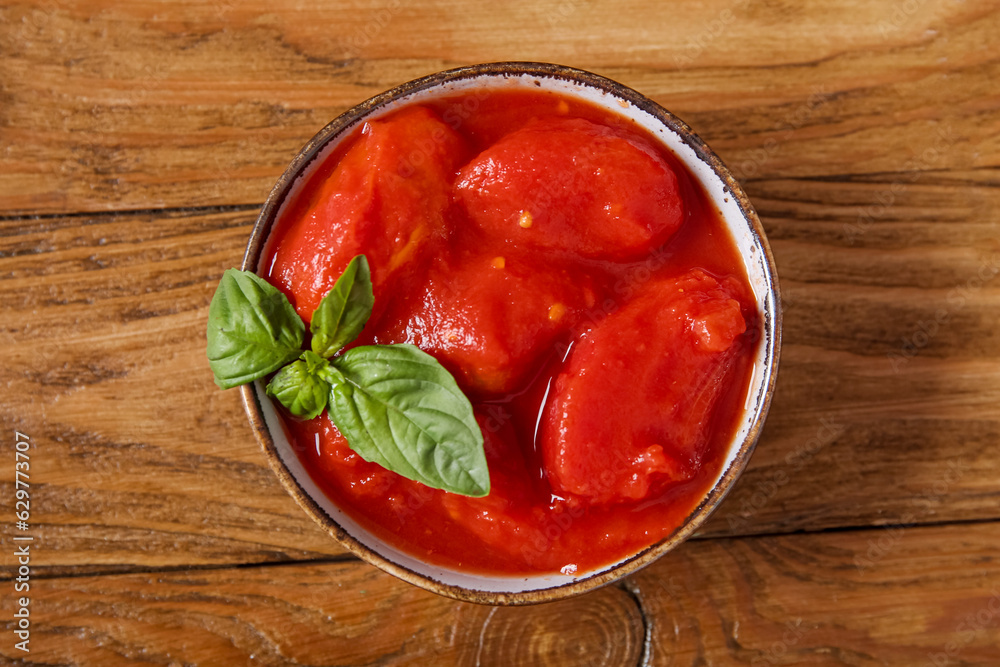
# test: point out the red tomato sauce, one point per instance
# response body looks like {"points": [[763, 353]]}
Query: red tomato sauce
{"points": [[583, 291]]}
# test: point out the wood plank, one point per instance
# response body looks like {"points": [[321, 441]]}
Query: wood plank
{"points": [[895, 596], [914, 596], [345, 613], [137, 458], [141, 461], [889, 360], [105, 106]]}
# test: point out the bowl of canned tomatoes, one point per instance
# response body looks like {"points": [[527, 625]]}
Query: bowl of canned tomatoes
{"points": [[508, 332]]}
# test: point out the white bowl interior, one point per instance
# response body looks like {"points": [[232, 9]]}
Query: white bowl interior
{"points": [[758, 269]]}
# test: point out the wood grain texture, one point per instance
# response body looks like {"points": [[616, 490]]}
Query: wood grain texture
{"points": [[903, 596], [887, 394], [141, 461], [137, 141], [150, 105], [138, 459], [919, 596]]}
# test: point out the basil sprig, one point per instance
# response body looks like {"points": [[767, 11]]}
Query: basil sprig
{"points": [[395, 404]]}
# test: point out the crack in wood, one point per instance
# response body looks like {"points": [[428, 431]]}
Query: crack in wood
{"points": [[634, 592]]}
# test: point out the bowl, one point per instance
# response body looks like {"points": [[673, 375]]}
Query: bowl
{"points": [[722, 191]]}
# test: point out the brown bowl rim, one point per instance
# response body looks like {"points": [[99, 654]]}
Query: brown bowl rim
{"points": [[771, 330]]}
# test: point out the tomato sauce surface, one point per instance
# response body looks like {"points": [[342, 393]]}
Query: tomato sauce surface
{"points": [[579, 285]]}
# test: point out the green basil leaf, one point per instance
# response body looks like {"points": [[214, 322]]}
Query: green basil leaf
{"points": [[398, 407], [343, 312], [252, 329], [300, 386]]}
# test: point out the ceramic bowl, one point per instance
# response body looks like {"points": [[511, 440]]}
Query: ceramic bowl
{"points": [[722, 190]]}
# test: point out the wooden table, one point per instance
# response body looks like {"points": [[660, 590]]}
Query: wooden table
{"points": [[137, 142]]}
